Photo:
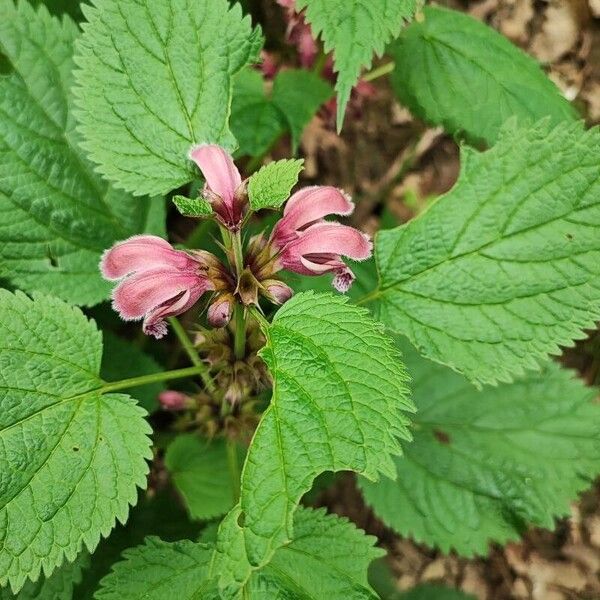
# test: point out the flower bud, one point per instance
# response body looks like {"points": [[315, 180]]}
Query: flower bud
{"points": [[173, 400], [277, 291], [220, 311]]}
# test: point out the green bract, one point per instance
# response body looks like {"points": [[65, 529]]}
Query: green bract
{"points": [[155, 78], [270, 187], [506, 266], [193, 207], [71, 457]]}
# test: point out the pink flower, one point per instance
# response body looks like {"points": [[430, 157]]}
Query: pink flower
{"points": [[309, 245], [224, 187], [156, 281]]}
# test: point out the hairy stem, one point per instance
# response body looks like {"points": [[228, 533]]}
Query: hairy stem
{"points": [[238, 254], [123, 384], [239, 345], [193, 355]]}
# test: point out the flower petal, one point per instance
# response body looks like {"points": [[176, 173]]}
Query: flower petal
{"points": [[321, 264], [154, 323], [343, 280], [141, 253], [331, 238], [218, 169], [313, 203], [141, 293]]}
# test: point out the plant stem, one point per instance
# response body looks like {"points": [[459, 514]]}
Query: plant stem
{"points": [[239, 344], [152, 378], [379, 72], [238, 254], [201, 368], [234, 468]]}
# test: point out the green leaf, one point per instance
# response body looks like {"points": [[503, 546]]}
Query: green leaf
{"points": [[299, 94], [72, 458], [453, 70], [338, 400], [354, 30], [122, 359], [159, 570], [155, 78], [328, 559], [59, 586], [434, 592], [193, 207], [146, 518], [56, 215], [271, 186], [506, 266], [255, 121], [200, 471], [486, 464], [259, 119]]}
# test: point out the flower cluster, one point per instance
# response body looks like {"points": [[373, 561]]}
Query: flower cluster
{"points": [[157, 281]]}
